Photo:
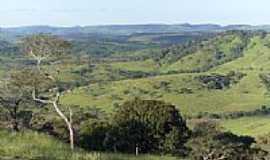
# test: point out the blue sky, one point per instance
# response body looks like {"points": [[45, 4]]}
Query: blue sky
{"points": [[96, 12]]}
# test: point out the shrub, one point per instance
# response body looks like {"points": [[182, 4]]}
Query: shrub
{"points": [[214, 81], [208, 142], [92, 134], [152, 126], [217, 81]]}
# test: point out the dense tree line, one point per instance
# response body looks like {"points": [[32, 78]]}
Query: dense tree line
{"points": [[263, 111]]}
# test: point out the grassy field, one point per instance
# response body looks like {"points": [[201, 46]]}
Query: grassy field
{"points": [[248, 94], [252, 126], [239, 97], [146, 66]]}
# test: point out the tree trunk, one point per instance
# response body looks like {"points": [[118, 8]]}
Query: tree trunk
{"points": [[38, 64], [13, 115], [71, 137], [68, 123]]}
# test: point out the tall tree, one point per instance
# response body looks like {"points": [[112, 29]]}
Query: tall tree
{"points": [[48, 48]]}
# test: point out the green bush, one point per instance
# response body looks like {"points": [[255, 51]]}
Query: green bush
{"points": [[152, 126], [92, 134], [208, 142]]}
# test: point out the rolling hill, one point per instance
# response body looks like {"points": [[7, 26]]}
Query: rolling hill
{"points": [[220, 75]]}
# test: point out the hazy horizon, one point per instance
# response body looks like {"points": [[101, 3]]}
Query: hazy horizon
{"points": [[129, 24], [67, 13]]}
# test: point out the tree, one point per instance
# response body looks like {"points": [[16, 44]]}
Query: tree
{"points": [[149, 125], [42, 47], [13, 98], [48, 48]]}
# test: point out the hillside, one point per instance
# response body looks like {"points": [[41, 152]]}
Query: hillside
{"points": [[181, 78], [220, 57]]}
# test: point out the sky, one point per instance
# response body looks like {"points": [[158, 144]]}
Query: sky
{"points": [[104, 12]]}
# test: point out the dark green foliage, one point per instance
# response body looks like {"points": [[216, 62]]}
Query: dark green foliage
{"points": [[53, 125], [15, 116], [176, 52], [152, 126], [92, 134], [208, 142], [15, 103], [217, 81]]}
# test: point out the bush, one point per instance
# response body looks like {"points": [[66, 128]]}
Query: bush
{"points": [[217, 81], [214, 81], [208, 142], [84, 118], [152, 126], [92, 134]]}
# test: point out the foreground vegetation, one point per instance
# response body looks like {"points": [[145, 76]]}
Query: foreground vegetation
{"points": [[30, 145]]}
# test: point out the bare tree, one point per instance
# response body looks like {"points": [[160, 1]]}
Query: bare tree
{"points": [[47, 48]]}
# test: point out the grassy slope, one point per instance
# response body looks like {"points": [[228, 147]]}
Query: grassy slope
{"points": [[253, 126], [35, 146], [255, 61], [206, 54], [240, 97], [146, 66], [248, 94]]}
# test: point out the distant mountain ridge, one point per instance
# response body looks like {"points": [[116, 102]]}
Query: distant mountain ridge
{"points": [[131, 29], [11, 33]]}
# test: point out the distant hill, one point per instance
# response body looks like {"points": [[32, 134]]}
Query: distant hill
{"points": [[127, 29]]}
